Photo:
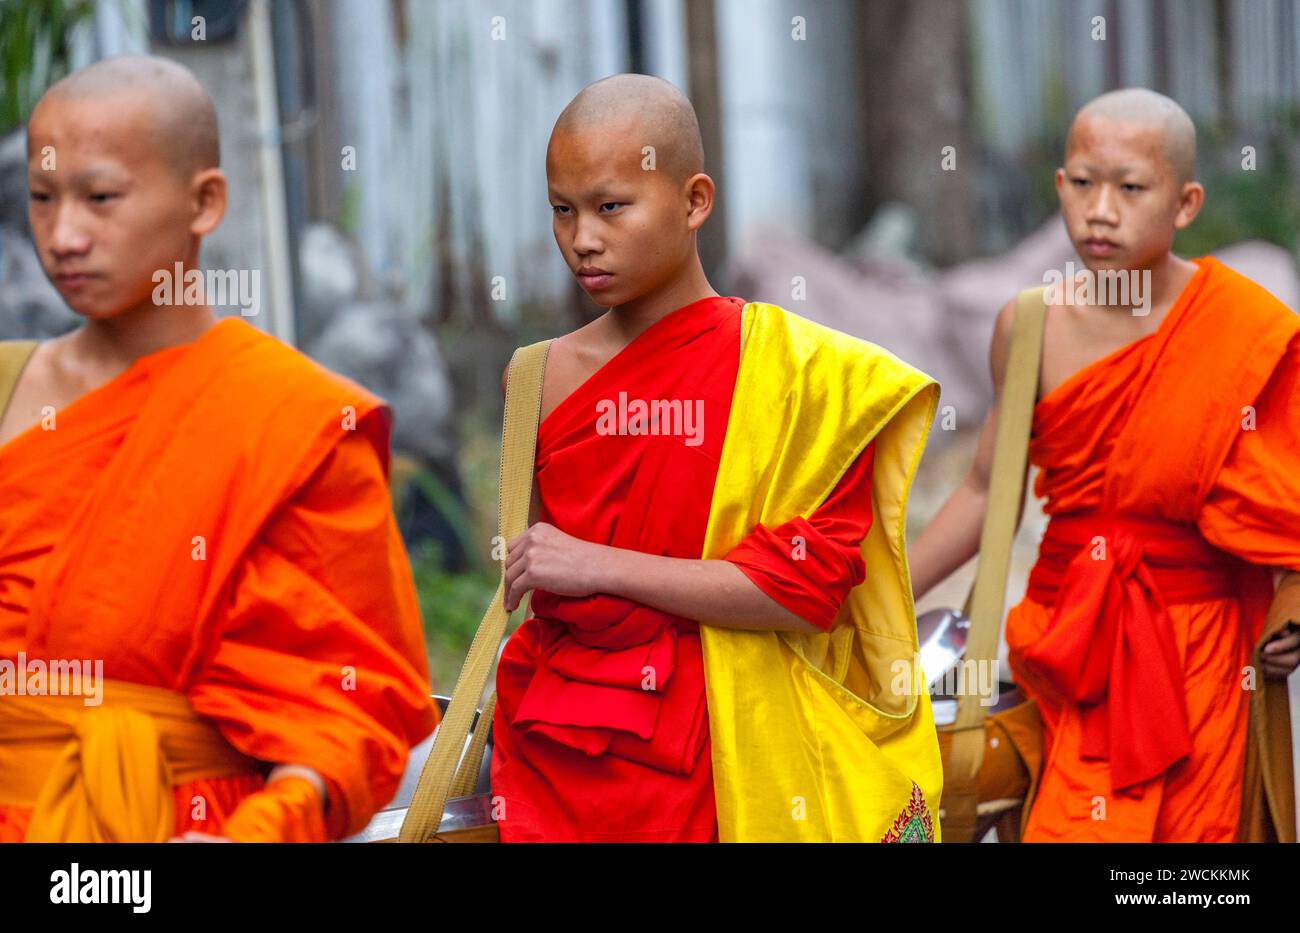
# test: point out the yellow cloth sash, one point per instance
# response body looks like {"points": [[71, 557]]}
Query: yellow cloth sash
{"points": [[828, 736], [105, 773]]}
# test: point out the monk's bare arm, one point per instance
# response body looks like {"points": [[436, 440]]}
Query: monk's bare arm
{"points": [[716, 590], [546, 558], [952, 536]]}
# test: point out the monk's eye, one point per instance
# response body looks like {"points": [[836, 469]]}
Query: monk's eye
{"points": [[1132, 187], [612, 205], [103, 196], [1079, 182], [39, 196], [559, 210]]}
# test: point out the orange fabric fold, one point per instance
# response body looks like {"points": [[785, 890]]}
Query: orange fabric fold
{"points": [[287, 809], [105, 772], [234, 494], [1110, 646]]}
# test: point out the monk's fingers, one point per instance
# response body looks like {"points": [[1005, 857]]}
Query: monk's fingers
{"points": [[1280, 665], [1287, 643], [520, 545], [512, 574], [514, 548], [515, 591]]}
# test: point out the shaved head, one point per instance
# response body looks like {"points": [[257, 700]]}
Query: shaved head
{"points": [[122, 166], [183, 115], [656, 111], [1141, 107]]}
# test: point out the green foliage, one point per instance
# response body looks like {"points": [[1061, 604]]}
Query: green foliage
{"points": [[34, 36], [1260, 203], [451, 604]]}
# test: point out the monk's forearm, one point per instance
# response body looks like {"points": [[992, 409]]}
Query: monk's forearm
{"points": [[950, 538], [714, 590]]}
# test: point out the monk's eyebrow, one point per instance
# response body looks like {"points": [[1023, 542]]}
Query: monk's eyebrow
{"points": [[608, 193], [83, 178], [604, 190], [1124, 171]]}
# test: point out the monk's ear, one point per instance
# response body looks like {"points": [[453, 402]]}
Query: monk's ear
{"points": [[700, 191], [1189, 203], [1060, 181], [208, 195]]}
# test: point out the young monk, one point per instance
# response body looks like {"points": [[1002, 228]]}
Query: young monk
{"points": [[649, 525], [1168, 444], [197, 508]]}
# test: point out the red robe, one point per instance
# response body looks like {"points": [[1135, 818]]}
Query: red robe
{"points": [[601, 727]]}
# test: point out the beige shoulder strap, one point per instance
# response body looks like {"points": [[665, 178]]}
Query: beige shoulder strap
{"points": [[447, 773], [14, 355], [988, 597]]}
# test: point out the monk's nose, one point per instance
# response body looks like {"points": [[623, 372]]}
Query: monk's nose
{"points": [[67, 235], [585, 238], [1102, 208]]}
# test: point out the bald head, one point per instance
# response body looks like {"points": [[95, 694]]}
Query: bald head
{"points": [[183, 115], [1141, 107], [653, 109]]}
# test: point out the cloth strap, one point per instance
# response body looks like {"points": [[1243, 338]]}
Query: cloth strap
{"points": [[105, 773], [988, 596], [448, 772], [14, 355]]}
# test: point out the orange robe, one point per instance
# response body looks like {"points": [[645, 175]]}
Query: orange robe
{"points": [[1171, 472], [215, 521]]}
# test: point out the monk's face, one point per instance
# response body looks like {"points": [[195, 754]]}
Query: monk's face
{"points": [[1121, 197], [626, 230], [108, 208]]}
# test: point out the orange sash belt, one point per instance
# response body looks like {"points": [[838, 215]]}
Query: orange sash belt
{"points": [[1110, 646], [105, 773]]}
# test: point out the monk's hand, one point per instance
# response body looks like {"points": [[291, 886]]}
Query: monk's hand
{"points": [[545, 558], [1282, 653]]}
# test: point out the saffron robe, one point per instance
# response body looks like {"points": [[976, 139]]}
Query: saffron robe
{"points": [[601, 731], [215, 521], [1171, 472]]}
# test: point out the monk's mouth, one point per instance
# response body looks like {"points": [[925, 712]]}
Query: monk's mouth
{"points": [[593, 281], [75, 280], [1100, 247]]}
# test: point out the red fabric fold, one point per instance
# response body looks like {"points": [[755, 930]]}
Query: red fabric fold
{"points": [[814, 581]]}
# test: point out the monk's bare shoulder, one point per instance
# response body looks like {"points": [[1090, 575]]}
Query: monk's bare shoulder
{"points": [[47, 383], [570, 361]]}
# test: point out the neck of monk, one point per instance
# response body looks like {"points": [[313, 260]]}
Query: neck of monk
{"points": [[689, 285], [1168, 277], [112, 344]]}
